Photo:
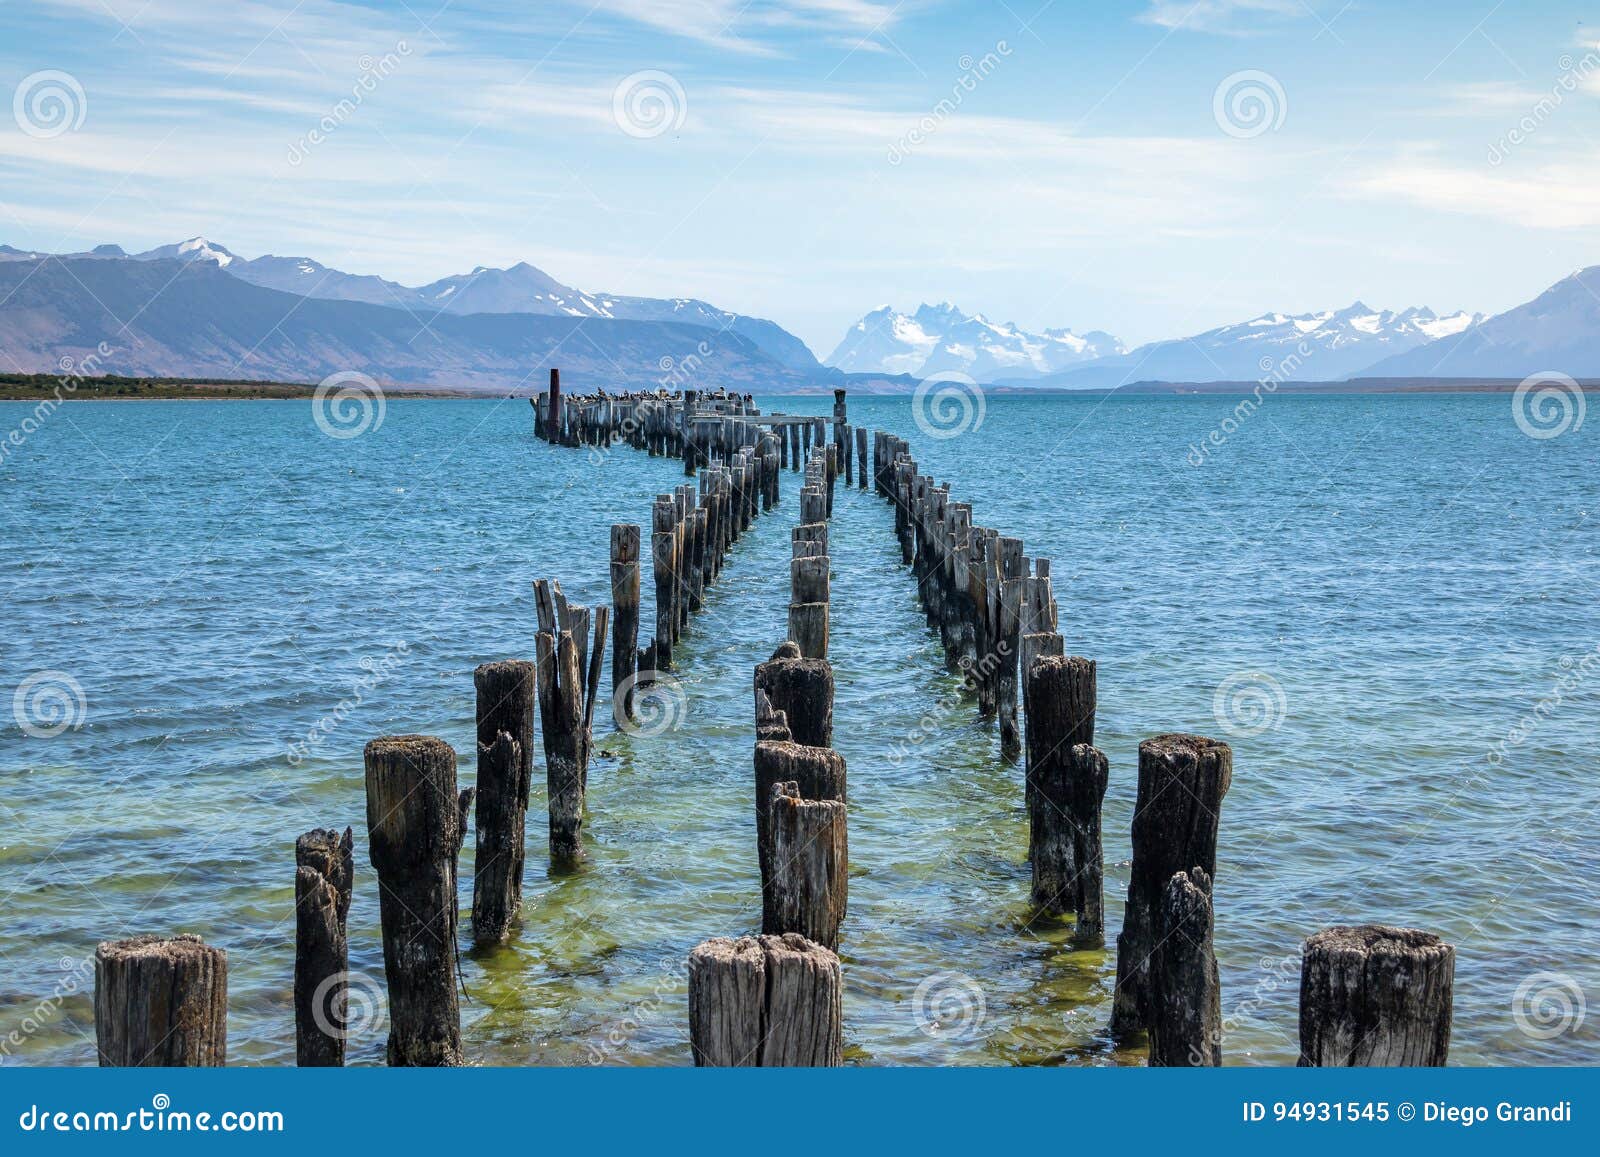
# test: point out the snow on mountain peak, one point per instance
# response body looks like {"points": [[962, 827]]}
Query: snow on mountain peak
{"points": [[940, 337]]}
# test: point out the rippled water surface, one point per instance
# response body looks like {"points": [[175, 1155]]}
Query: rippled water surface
{"points": [[1416, 575]]}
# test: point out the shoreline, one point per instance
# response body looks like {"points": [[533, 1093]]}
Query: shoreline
{"points": [[42, 388]]}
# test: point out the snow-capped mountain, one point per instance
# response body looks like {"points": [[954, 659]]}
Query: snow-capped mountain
{"points": [[939, 338], [1557, 331], [519, 289], [1323, 346]]}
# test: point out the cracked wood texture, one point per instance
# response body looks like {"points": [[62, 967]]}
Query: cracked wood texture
{"points": [[803, 690], [1182, 779], [1375, 995], [765, 1001], [414, 832], [818, 773], [810, 864], [161, 1002], [1185, 993], [506, 694], [323, 879]]}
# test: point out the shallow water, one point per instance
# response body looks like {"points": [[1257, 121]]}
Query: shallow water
{"points": [[1414, 573]]}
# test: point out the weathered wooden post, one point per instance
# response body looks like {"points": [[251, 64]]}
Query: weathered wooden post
{"points": [[554, 434], [808, 605], [625, 609], [1065, 717], [161, 1002], [809, 863], [664, 555], [765, 1001], [1064, 836], [414, 830], [1185, 994], [803, 690], [323, 878], [1375, 995], [506, 694], [561, 722], [819, 773], [861, 456], [1182, 779]]}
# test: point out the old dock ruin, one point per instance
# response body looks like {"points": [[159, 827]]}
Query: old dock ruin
{"points": [[772, 995]]}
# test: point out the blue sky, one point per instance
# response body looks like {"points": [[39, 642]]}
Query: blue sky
{"points": [[1081, 171]]}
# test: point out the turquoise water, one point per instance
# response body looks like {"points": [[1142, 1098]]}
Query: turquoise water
{"points": [[1398, 580]]}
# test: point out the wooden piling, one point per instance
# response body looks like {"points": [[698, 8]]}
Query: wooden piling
{"points": [[809, 865], [765, 1001], [414, 830], [1375, 995], [1064, 836], [323, 879], [506, 694], [861, 456], [803, 690], [1064, 717], [625, 610], [664, 557], [819, 773], [561, 710], [1185, 994], [161, 1002], [1182, 779]]}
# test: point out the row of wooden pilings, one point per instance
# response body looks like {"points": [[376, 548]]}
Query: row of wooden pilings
{"points": [[777, 998], [1372, 994], [1369, 995]]}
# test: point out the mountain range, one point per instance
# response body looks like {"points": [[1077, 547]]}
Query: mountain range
{"points": [[196, 309], [941, 338], [176, 317]]}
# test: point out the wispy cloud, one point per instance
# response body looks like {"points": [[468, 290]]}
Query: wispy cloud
{"points": [[1228, 16]]}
